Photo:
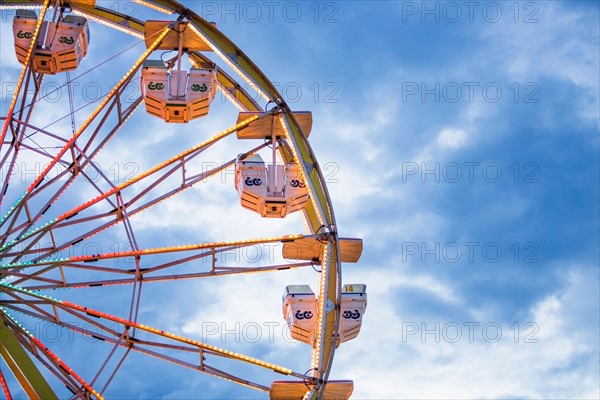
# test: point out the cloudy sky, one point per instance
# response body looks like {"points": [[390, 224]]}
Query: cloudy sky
{"points": [[459, 140]]}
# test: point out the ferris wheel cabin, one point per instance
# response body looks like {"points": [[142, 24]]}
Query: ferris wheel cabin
{"points": [[354, 304], [60, 46], [176, 95], [171, 92], [300, 311], [271, 190]]}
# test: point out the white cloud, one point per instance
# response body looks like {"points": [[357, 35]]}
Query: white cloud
{"points": [[553, 355], [562, 44], [452, 138]]}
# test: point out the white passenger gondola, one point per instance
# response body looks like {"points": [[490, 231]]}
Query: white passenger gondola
{"points": [[284, 188], [354, 304], [300, 312], [60, 46], [171, 92], [271, 190], [178, 96]]}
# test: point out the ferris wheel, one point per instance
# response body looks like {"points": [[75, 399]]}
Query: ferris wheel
{"points": [[105, 255]]}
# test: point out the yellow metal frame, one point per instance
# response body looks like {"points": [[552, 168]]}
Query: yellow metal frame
{"points": [[22, 367]]}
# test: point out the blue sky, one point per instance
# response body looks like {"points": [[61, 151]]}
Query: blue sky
{"points": [[459, 141]]}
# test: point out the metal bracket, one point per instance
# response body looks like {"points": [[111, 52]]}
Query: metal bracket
{"points": [[309, 167], [329, 306]]}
